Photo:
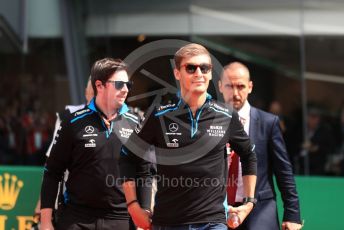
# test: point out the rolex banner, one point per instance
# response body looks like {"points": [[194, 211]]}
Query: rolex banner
{"points": [[19, 193], [20, 188]]}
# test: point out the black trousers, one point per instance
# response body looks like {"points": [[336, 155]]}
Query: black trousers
{"points": [[70, 219]]}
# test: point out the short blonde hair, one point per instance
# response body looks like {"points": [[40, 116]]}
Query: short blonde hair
{"points": [[189, 50]]}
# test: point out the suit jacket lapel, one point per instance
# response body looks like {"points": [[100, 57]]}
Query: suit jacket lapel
{"points": [[254, 121]]}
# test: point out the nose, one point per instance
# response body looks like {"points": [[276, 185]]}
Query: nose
{"points": [[198, 71], [235, 90], [125, 88]]}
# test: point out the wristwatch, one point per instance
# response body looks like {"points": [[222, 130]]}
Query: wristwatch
{"points": [[249, 199]]}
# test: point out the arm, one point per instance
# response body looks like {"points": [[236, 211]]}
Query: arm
{"points": [[241, 145], [136, 172], [46, 217], [57, 125], [131, 168], [244, 210], [54, 168], [284, 176], [141, 217], [249, 185], [59, 117]]}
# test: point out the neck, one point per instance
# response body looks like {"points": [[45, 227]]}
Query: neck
{"points": [[105, 108], [242, 106], [194, 101]]}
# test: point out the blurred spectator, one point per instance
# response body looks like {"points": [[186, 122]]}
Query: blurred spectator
{"points": [[4, 142], [38, 136], [24, 134], [320, 142], [335, 164], [276, 108]]}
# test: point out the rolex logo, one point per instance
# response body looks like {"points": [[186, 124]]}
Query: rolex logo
{"points": [[10, 187]]}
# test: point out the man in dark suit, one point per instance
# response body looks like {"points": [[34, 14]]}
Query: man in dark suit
{"points": [[264, 131]]}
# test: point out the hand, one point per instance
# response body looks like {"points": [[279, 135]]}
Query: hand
{"points": [[46, 225], [233, 221], [36, 217], [286, 225], [141, 217], [242, 211]]}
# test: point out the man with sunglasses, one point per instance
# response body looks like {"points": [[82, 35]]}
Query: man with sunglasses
{"points": [[189, 134], [88, 144]]}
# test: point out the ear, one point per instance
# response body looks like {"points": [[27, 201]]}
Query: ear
{"points": [[99, 85], [176, 73], [250, 86]]}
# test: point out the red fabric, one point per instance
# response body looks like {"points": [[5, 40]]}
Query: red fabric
{"points": [[232, 183]]}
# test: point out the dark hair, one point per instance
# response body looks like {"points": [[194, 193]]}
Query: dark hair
{"points": [[103, 69], [189, 50]]}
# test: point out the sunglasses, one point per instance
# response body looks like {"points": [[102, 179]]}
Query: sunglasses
{"points": [[120, 84], [191, 68]]}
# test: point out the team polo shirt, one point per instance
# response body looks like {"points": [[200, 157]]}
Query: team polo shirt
{"points": [[191, 157], [90, 151]]}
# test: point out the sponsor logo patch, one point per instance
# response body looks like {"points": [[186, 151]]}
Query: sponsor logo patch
{"points": [[216, 131], [126, 132], [89, 131], [91, 143], [173, 144]]}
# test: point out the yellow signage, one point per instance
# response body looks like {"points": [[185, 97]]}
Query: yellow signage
{"points": [[10, 187], [18, 202]]}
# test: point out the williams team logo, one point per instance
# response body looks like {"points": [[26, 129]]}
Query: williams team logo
{"points": [[125, 132]]}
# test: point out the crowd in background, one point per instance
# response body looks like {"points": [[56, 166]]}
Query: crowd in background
{"points": [[25, 134], [324, 144], [26, 130]]}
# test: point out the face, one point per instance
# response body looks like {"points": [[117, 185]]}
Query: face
{"points": [[194, 74], [235, 87], [313, 121], [110, 95]]}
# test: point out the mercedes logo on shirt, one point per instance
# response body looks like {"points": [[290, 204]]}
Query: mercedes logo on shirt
{"points": [[173, 127], [89, 129]]}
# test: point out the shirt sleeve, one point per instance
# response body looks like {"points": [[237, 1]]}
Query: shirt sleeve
{"points": [[56, 164], [284, 174], [135, 163], [241, 144]]}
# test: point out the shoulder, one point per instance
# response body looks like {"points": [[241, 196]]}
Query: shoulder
{"points": [[132, 116], [220, 108], [64, 114], [263, 115], [80, 114], [167, 105], [74, 108]]}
